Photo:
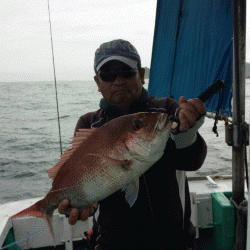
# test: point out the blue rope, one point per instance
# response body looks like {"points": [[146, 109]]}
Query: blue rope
{"points": [[22, 240]]}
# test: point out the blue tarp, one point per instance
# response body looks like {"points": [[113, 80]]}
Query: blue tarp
{"points": [[192, 48]]}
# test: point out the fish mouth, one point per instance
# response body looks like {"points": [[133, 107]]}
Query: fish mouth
{"points": [[163, 122]]}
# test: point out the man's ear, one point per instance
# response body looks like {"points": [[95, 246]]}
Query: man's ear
{"points": [[142, 75], [96, 78]]}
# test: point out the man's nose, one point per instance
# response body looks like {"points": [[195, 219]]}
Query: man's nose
{"points": [[119, 80]]}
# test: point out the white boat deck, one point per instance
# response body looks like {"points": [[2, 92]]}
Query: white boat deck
{"points": [[33, 232], [210, 185]]}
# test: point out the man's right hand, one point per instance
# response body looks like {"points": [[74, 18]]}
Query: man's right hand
{"points": [[75, 214]]}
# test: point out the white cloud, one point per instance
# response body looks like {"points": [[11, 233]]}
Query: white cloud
{"points": [[79, 27]]}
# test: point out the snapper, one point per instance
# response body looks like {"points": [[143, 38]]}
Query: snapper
{"points": [[104, 160]]}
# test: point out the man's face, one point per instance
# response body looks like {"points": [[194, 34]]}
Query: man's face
{"points": [[122, 91]]}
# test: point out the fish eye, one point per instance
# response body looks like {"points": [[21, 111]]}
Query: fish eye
{"points": [[137, 124]]}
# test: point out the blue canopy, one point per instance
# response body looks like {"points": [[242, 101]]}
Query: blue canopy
{"points": [[192, 48]]}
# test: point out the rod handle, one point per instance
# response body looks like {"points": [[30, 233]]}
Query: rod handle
{"points": [[219, 84]]}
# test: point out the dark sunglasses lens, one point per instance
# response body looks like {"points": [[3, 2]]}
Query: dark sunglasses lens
{"points": [[112, 75], [108, 76], [128, 74]]}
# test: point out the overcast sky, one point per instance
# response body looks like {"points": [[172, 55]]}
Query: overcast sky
{"points": [[78, 27]]}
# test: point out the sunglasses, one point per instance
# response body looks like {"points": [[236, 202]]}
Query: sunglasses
{"points": [[110, 76]]}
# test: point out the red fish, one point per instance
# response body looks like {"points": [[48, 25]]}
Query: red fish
{"points": [[103, 161]]}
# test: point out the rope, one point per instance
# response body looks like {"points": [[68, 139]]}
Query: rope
{"points": [[246, 168], [241, 224], [53, 59], [23, 239], [221, 96], [176, 42]]}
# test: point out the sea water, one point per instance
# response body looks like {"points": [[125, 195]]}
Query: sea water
{"points": [[30, 135]]}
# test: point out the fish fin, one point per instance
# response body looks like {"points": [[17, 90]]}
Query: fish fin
{"points": [[38, 210], [83, 133], [131, 192], [80, 136], [50, 224]]}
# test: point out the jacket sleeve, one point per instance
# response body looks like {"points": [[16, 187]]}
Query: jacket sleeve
{"points": [[188, 158], [82, 123], [87, 120]]}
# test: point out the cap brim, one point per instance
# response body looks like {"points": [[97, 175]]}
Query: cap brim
{"points": [[131, 63]]}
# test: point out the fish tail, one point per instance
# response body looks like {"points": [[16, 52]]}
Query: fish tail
{"points": [[35, 210], [39, 209], [49, 221]]}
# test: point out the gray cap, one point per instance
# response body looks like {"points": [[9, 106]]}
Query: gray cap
{"points": [[119, 50]]}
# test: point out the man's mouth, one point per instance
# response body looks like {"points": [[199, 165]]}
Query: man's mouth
{"points": [[120, 91]]}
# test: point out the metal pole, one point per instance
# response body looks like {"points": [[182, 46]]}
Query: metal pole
{"points": [[239, 99], [248, 212], [239, 141]]}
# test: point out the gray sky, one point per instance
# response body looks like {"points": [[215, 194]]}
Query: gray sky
{"points": [[79, 27]]}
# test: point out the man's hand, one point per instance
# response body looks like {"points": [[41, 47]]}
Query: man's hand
{"points": [[189, 112], [75, 214]]}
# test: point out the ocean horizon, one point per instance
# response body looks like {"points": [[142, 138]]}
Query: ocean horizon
{"points": [[30, 138]]}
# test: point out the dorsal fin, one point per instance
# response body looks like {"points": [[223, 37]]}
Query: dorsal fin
{"points": [[80, 136]]}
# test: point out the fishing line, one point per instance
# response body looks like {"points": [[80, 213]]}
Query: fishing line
{"points": [[54, 68]]}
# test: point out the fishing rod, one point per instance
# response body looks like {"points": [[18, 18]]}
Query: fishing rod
{"points": [[54, 69]]}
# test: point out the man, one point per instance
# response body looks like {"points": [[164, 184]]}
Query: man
{"points": [[159, 219]]}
